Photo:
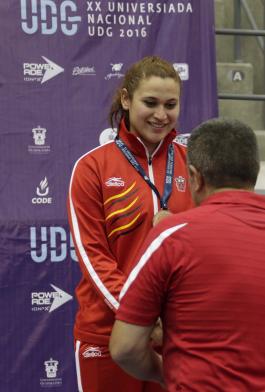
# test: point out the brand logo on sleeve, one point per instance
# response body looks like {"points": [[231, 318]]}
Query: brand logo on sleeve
{"points": [[92, 352], [115, 181]]}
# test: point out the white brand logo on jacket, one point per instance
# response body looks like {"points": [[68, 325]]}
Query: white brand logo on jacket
{"points": [[180, 183], [92, 352], [115, 181]]}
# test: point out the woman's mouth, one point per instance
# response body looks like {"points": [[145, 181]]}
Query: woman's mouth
{"points": [[157, 125]]}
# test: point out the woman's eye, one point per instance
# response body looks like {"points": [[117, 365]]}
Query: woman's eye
{"points": [[170, 105], [150, 104]]}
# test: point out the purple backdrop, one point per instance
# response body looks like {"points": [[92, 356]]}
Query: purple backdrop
{"points": [[60, 63]]}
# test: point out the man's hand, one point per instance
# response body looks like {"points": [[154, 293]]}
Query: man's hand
{"points": [[157, 333], [130, 348]]}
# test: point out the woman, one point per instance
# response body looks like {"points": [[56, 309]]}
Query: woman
{"points": [[115, 192]]}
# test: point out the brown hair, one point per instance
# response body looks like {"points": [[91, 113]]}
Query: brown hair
{"points": [[143, 69]]}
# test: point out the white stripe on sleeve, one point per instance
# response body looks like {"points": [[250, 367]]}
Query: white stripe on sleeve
{"points": [[76, 232], [155, 244]]}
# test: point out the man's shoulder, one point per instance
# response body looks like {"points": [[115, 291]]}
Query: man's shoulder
{"points": [[194, 215], [185, 224]]}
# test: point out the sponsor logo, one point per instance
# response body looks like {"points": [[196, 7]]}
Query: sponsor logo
{"points": [[115, 181], [41, 72], [115, 71], [182, 139], [92, 352], [180, 183], [47, 17], [51, 370], [183, 70], [107, 135], [84, 71], [39, 137], [48, 301], [51, 244], [42, 191]]}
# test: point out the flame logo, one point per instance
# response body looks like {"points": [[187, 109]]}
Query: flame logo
{"points": [[43, 189]]}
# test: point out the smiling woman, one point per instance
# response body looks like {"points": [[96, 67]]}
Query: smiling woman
{"points": [[153, 109], [115, 192]]}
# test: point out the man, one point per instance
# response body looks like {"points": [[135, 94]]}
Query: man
{"points": [[203, 273]]}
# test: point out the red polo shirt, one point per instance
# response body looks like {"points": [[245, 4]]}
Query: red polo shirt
{"points": [[203, 273]]}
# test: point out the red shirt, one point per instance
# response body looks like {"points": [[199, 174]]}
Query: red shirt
{"points": [[203, 273], [110, 213]]}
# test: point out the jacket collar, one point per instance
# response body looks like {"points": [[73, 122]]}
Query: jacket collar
{"points": [[137, 147], [236, 197]]}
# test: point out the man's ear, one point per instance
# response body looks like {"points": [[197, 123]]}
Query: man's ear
{"points": [[196, 179], [125, 99]]}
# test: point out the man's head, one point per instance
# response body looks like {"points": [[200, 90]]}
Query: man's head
{"points": [[222, 154]]}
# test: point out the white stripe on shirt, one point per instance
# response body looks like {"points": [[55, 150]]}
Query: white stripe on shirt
{"points": [[155, 244]]}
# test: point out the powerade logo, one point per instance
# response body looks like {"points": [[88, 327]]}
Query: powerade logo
{"points": [[47, 17], [41, 72], [48, 301], [50, 244]]}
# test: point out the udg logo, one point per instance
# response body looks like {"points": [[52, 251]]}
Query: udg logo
{"points": [[51, 368], [47, 15], [50, 243], [39, 138], [39, 135], [51, 371]]}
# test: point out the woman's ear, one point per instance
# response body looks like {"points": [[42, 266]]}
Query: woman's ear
{"points": [[125, 100]]}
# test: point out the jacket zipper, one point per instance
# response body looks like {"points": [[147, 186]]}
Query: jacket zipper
{"points": [[151, 173], [152, 179]]}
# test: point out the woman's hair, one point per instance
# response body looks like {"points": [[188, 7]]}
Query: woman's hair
{"points": [[143, 69]]}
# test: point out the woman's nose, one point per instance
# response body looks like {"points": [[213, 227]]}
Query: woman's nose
{"points": [[160, 113]]}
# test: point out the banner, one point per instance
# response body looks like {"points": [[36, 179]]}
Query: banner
{"points": [[61, 62]]}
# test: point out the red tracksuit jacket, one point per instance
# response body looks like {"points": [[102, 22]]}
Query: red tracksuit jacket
{"points": [[110, 209]]}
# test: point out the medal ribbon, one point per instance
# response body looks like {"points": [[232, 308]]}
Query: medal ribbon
{"points": [[169, 171]]}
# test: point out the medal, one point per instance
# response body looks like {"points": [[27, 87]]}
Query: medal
{"points": [[160, 215]]}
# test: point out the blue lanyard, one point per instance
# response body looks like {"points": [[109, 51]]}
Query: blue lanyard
{"points": [[169, 171]]}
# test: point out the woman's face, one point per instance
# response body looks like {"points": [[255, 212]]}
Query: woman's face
{"points": [[153, 109]]}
